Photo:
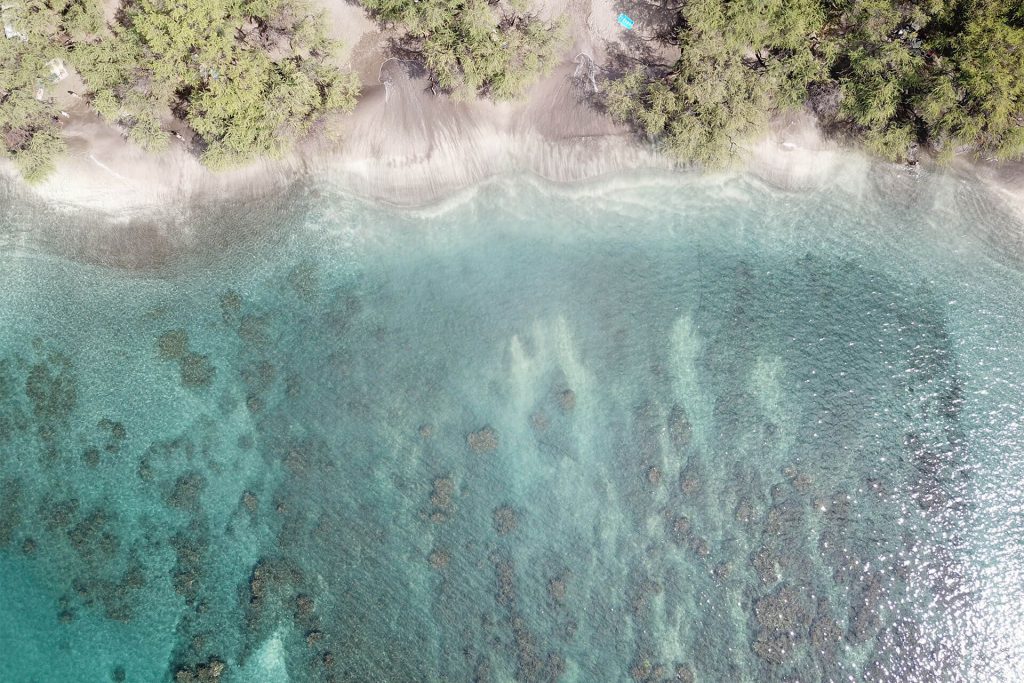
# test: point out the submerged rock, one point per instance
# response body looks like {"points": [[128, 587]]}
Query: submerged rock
{"points": [[567, 399], [91, 456], [689, 481], [230, 306], [250, 502], [505, 520], [439, 558], [484, 440], [204, 672], [744, 511], [654, 475], [784, 617], [441, 498], [186, 491], [680, 432], [680, 528], [172, 345], [196, 371], [52, 388], [765, 565], [10, 510], [684, 674], [556, 589]]}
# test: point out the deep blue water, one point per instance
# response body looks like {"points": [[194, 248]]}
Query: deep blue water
{"points": [[648, 429]]}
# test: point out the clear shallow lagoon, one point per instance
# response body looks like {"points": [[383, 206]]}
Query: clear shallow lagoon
{"points": [[647, 430]]}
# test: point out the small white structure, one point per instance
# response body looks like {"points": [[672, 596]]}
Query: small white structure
{"points": [[58, 72]]}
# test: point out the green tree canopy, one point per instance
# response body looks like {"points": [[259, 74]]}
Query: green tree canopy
{"points": [[740, 62], [944, 73], [250, 76], [475, 47]]}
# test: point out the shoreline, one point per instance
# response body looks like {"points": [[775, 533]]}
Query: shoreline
{"points": [[406, 147]]}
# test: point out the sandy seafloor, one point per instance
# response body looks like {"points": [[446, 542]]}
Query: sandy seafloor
{"points": [[649, 427]]}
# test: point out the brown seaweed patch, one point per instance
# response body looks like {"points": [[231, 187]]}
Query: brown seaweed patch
{"points": [[117, 434], [196, 370], [10, 510], [483, 440], [801, 481], [230, 306], [567, 400], [784, 617], [172, 344], [744, 511], [91, 456], [209, 671], [187, 570], [644, 670], [680, 529], [252, 330], [303, 280], [689, 481], [765, 565], [826, 634], [442, 499], [91, 539], [52, 388], [439, 558], [58, 515], [505, 520], [505, 577], [557, 588], [680, 431], [250, 502], [653, 475], [260, 376], [684, 674], [186, 491], [304, 606]]}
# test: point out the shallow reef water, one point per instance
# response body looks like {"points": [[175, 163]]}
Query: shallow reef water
{"points": [[655, 428]]}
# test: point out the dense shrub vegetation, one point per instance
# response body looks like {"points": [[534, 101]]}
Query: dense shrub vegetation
{"points": [[948, 74], [475, 47], [248, 76]]}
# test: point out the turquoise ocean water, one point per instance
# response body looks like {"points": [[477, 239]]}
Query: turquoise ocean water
{"points": [[650, 429]]}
